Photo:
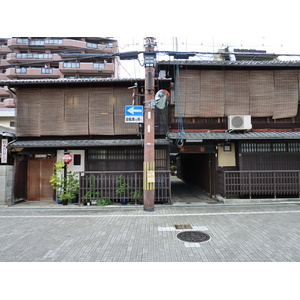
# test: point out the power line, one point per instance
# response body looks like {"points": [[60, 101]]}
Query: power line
{"points": [[132, 55]]}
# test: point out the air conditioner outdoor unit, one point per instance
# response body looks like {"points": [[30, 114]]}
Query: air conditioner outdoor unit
{"points": [[239, 122]]}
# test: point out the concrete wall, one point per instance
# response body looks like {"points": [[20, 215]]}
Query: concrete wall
{"points": [[6, 185]]}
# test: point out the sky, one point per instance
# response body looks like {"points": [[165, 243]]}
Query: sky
{"points": [[197, 25]]}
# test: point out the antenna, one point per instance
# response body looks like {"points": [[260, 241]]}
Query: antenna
{"points": [[161, 98]]}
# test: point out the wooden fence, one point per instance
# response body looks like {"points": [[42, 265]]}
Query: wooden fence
{"points": [[105, 185], [259, 183]]}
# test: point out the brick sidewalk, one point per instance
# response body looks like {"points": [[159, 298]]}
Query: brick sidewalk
{"points": [[258, 233]]}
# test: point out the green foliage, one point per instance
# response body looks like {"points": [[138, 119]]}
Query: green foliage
{"points": [[67, 187], [104, 202], [122, 186], [137, 196], [91, 193]]}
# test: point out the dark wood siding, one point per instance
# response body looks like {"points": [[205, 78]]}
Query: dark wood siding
{"points": [[120, 159], [270, 156]]}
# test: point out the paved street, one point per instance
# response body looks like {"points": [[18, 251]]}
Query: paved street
{"points": [[248, 233]]}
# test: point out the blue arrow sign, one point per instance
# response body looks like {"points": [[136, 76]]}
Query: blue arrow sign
{"points": [[134, 110]]}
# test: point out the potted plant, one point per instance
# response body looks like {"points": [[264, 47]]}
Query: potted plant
{"points": [[104, 202], [137, 196], [66, 184], [122, 188], [91, 196]]}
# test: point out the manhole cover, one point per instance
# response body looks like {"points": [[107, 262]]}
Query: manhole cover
{"points": [[193, 236]]}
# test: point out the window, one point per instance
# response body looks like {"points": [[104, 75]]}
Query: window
{"points": [[92, 45], [47, 71], [99, 65], [271, 147], [256, 147], [37, 43], [22, 41], [279, 147], [71, 65], [294, 147], [55, 41], [77, 159], [21, 71]]}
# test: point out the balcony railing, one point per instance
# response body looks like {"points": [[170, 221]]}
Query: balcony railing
{"points": [[34, 55], [275, 184], [67, 67], [106, 184], [106, 47], [33, 73]]}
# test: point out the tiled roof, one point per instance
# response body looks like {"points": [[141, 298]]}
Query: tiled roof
{"points": [[251, 135], [80, 143], [16, 82], [239, 63], [7, 129]]}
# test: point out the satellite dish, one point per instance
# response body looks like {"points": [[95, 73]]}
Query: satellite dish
{"points": [[161, 98]]}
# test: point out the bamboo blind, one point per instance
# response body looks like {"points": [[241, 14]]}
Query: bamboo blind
{"points": [[76, 111], [101, 111], [52, 112], [262, 93], [189, 94], [28, 112], [122, 97], [286, 94], [222, 93], [73, 111], [212, 93], [236, 93]]}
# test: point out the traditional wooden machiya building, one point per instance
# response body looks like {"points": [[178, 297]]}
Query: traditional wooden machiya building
{"points": [[87, 118], [235, 125]]}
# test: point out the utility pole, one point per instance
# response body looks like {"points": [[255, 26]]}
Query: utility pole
{"points": [[149, 134]]}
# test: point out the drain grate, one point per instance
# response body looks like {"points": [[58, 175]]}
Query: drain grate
{"points": [[184, 226], [193, 236]]}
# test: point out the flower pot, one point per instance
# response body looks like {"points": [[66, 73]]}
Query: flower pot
{"points": [[124, 201], [65, 202], [75, 200]]}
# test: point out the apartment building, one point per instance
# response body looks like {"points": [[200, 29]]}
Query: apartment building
{"points": [[54, 58]]}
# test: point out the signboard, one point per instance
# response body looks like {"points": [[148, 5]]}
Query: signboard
{"points": [[134, 114], [150, 176], [4, 151]]}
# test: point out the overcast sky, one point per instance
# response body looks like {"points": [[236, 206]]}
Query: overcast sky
{"points": [[198, 25]]}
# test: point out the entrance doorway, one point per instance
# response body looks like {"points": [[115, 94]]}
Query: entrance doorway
{"points": [[38, 185], [198, 169]]}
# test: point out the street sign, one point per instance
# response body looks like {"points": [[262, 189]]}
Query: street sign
{"points": [[134, 114]]}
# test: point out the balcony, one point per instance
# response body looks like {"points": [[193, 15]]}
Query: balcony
{"points": [[13, 58], [25, 43], [38, 73], [9, 103], [3, 76], [91, 68], [4, 49]]}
